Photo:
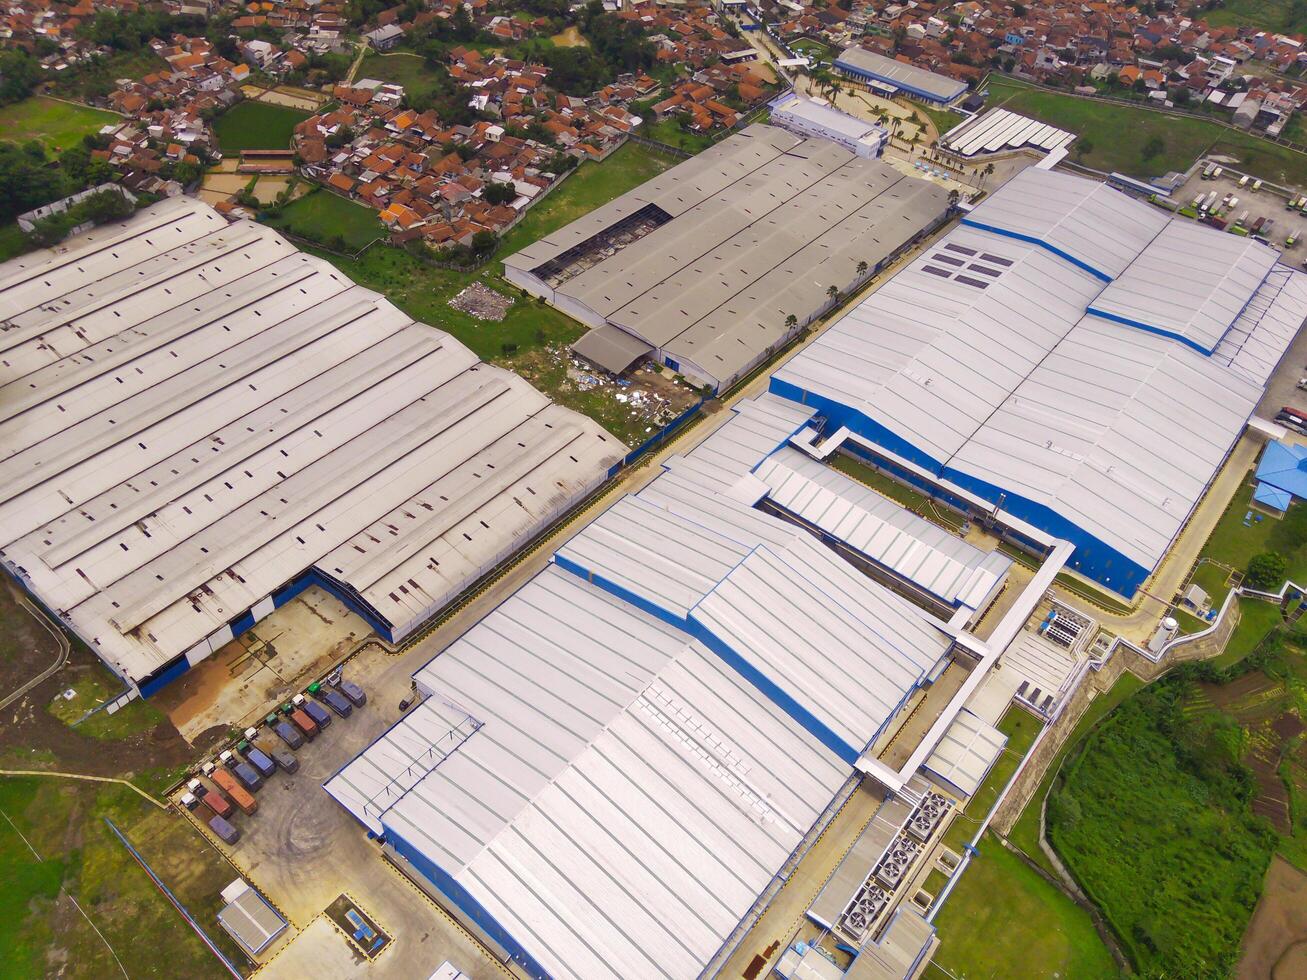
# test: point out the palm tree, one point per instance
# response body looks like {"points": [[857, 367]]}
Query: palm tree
{"points": [[862, 268], [833, 293], [791, 322], [989, 169]]}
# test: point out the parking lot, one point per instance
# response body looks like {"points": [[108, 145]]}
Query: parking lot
{"points": [[1266, 203], [303, 852]]}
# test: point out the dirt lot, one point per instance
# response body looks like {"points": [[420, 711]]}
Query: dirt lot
{"points": [[1275, 944], [26, 646], [279, 657]]}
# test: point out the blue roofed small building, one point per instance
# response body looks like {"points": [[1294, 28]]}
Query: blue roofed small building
{"points": [[895, 77], [1281, 476]]}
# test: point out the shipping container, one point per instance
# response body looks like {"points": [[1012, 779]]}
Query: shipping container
{"points": [[353, 692], [260, 761], [225, 831], [287, 733], [211, 798], [313, 709], [336, 701], [303, 722], [245, 772], [234, 790], [284, 759]]}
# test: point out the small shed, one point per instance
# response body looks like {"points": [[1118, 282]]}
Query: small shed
{"points": [[248, 918], [1281, 476]]}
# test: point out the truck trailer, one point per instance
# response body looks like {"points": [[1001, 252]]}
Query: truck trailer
{"points": [[229, 784]]}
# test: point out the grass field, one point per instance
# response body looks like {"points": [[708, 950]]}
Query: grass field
{"points": [[252, 125], [1020, 727], [1152, 816], [93, 687], [1232, 545], [405, 69], [55, 847], [56, 124], [1025, 834], [1003, 920], [669, 131], [1284, 16], [424, 292], [321, 215], [1256, 619], [1183, 138], [99, 77]]}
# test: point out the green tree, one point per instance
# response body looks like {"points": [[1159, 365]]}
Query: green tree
{"points": [[1266, 571]]}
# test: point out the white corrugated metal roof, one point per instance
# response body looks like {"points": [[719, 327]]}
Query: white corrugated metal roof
{"points": [[1001, 129], [1116, 428], [966, 752], [921, 552], [1188, 282], [192, 413], [622, 796]]}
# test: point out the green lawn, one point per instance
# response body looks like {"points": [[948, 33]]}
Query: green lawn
{"points": [[99, 77], [1256, 619], [321, 216], [1002, 920], [41, 932], [812, 49], [944, 119], [1232, 544], [1152, 817], [900, 493], [669, 131], [1021, 728], [1283, 16], [401, 68], [1183, 138], [253, 125], [56, 124], [93, 686], [1025, 834]]}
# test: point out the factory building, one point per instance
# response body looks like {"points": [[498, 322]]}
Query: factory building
{"points": [[893, 77], [611, 770], [1069, 355], [197, 422], [712, 266]]}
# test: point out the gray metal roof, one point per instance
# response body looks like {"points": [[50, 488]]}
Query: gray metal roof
{"points": [[612, 348], [901, 73], [757, 233], [981, 356], [192, 413]]}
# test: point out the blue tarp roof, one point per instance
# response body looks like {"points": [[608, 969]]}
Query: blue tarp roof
{"points": [[1273, 497], [1283, 467]]}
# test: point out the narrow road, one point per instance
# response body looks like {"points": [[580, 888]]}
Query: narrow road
{"points": [[60, 639]]}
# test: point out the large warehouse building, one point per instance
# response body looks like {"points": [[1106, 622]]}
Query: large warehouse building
{"points": [[1069, 354], [894, 77], [197, 422], [714, 264], [610, 770]]}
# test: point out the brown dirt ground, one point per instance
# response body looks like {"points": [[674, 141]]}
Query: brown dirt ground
{"points": [[1275, 944], [31, 737], [26, 647]]}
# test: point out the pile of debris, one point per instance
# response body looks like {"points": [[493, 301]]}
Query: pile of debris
{"points": [[482, 302]]}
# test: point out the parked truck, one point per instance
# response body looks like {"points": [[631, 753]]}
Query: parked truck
{"points": [[285, 730], [333, 698], [312, 709], [283, 758], [235, 792], [245, 772], [225, 831], [306, 725], [216, 803], [1243, 181], [353, 692], [257, 758]]}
